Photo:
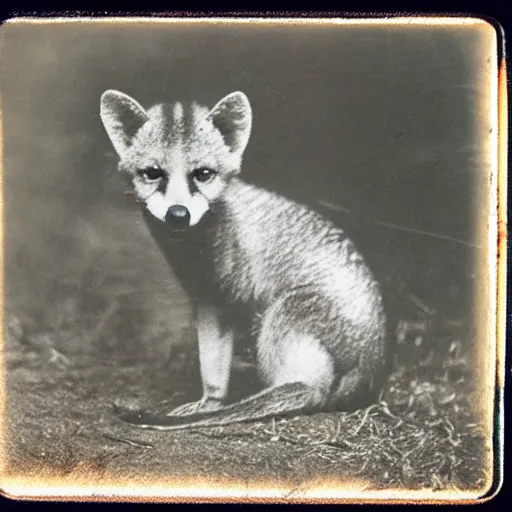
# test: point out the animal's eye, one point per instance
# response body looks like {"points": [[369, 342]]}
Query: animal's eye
{"points": [[203, 174], [152, 173]]}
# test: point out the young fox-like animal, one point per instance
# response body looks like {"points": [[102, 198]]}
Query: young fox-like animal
{"points": [[316, 311]]}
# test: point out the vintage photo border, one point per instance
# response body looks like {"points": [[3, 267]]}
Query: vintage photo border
{"points": [[491, 285]]}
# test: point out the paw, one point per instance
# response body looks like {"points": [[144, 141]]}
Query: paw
{"points": [[196, 407]]}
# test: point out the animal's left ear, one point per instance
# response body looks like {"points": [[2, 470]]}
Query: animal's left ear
{"points": [[232, 116]]}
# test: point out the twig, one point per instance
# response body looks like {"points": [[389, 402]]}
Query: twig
{"points": [[128, 441], [221, 434], [332, 206], [420, 305], [338, 429], [427, 233], [362, 468], [415, 449], [337, 208], [363, 421]]}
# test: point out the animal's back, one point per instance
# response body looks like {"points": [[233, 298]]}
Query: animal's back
{"points": [[267, 247], [281, 246]]}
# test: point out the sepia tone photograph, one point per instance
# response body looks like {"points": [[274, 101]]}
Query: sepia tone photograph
{"points": [[252, 259]]}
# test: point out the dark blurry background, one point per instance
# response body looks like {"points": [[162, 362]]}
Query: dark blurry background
{"points": [[372, 125]]}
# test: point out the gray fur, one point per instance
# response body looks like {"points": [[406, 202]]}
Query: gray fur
{"points": [[316, 310]]}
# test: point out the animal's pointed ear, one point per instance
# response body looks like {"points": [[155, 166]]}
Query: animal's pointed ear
{"points": [[232, 116], [122, 117]]}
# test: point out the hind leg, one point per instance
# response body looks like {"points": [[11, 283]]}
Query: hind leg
{"points": [[297, 346], [298, 370], [288, 352]]}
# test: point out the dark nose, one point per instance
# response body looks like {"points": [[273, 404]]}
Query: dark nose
{"points": [[177, 217]]}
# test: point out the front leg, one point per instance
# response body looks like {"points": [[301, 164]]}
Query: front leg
{"points": [[215, 356]]}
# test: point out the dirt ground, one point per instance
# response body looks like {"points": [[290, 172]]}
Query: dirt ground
{"points": [[422, 434]]}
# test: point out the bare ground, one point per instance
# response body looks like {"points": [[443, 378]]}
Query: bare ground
{"points": [[422, 433]]}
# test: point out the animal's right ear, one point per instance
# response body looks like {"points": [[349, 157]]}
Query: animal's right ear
{"points": [[122, 117], [232, 116]]}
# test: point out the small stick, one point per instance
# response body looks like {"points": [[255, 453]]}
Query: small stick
{"points": [[128, 441]]}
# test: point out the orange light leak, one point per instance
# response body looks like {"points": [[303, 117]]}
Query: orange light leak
{"points": [[502, 219]]}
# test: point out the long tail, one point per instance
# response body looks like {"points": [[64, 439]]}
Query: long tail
{"points": [[292, 398]]}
